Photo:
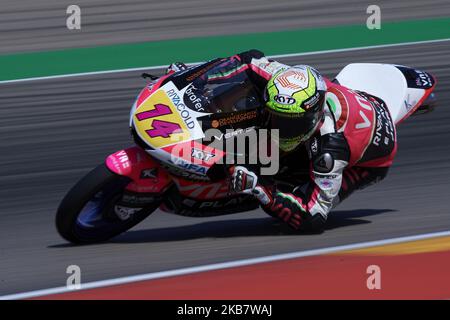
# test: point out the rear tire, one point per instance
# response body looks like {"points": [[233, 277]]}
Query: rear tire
{"points": [[94, 197]]}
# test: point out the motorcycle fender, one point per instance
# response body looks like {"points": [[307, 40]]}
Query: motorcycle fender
{"points": [[145, 173]]}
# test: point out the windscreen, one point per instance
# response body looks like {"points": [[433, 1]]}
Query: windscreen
{"points": [[225, 87]]}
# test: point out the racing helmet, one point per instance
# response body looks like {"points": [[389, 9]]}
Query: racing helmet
{"points": [[294, 104]]}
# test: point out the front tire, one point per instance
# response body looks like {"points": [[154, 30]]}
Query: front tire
{"points": [[87, 212]]}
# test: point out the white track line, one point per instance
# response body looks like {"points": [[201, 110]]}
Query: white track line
{"points": [[224, 265], [194, 63]]}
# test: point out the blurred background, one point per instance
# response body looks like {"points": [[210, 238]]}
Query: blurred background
{"points": [[36, 25]]}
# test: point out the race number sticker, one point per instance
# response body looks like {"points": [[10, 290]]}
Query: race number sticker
{"points": [[163, 119], [158, 122]]}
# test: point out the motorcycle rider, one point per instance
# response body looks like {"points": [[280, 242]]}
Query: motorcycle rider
{"points": [[349, 136]]}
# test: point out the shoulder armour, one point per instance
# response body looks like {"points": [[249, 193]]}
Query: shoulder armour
{"points": [[324, 150]]}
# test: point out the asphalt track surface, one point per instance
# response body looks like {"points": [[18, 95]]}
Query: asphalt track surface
{"points": [[54, 131], [30, 25]]}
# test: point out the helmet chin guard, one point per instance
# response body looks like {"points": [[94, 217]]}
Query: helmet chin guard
{"points": [[295, 105]]}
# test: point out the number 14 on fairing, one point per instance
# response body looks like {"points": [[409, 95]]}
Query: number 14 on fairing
{"points": [[161, 128]]}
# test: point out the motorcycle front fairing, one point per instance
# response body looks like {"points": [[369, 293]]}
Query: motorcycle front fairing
{"points": [[169, 120]]}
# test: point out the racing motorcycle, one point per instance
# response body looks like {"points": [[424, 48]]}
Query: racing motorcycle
{"points": [[172, 168]]}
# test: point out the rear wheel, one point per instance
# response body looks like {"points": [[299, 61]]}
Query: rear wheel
{"points": [[96, 208]]}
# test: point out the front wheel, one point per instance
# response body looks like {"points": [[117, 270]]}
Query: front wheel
{"points": [[98, 208]]}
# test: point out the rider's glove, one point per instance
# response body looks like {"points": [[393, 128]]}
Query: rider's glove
{"points": [[288, 208], [175, 67], [247, 56], [246, 182]]}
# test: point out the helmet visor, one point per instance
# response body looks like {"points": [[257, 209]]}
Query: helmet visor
{"points": [[293, 130]]}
